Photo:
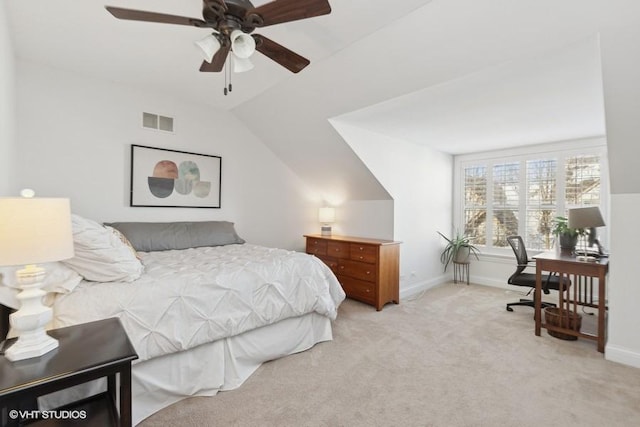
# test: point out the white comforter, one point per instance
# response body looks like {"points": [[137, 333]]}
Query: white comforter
{"points": [[190, 297]]}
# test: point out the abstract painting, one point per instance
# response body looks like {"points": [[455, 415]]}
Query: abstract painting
{"points": [[176, 179]]}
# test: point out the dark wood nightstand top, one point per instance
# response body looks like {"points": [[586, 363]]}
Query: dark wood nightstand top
{"points": [[82, 349]]}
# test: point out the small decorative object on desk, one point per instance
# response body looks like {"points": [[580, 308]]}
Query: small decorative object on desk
{"points": [[567, 236]]}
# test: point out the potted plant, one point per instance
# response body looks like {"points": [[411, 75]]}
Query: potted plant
{"points": [[458, 249], [567, 237]]}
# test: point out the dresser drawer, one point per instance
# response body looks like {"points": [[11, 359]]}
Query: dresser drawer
{"points": [[357, 270], [331, 262], [316, 247], [364, 253], [338, 249], [358, 289]]}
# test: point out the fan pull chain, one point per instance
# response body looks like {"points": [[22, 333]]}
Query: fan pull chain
{"points": [[225, 78], [228, 87], [230, 67]]}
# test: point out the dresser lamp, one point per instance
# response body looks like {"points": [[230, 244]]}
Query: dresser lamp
{"points": [[33, 230], [326, 216], [586, 218]]}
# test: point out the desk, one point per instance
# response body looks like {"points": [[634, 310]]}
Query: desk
{"points": [[582, 275]]}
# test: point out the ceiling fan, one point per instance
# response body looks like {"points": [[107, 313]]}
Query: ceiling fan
{"points": [[232, 22]]}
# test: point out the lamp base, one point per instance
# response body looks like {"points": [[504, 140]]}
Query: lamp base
{"points": [[31, 346], [586, 258], [325, 230], [30, 320]]}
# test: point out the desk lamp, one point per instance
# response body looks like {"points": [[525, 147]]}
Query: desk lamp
{"points": [[33, 230], [586, 218]]}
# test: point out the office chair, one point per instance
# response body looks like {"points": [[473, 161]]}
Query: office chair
{"points": [[519, 278]]}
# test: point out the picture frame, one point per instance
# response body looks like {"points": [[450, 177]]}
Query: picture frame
{"points": [[167, 178]]}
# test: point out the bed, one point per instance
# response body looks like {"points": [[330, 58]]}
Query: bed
{"points": [[203, 308]]}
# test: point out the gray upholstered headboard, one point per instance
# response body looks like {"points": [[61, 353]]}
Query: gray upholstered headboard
{"points": [[162, 236]]}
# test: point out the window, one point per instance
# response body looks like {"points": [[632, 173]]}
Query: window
{"points": [[475, 206], [541, 205], [506, 196], [522, 191]]}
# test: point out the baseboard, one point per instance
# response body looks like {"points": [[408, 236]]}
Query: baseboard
{"points": [[488, 281], [622, 355], [416, 288]]}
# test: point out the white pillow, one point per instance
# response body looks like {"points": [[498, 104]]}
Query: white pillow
{"points": [[59, 279], [100, 254]]}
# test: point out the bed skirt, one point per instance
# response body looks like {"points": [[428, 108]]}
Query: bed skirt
{"points": [[207, 369]]}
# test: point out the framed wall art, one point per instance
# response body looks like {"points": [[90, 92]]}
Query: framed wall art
{"points": [[174, 179]]}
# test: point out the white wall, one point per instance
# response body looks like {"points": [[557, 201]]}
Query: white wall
{"points": [[74, 141], [7, 107], [620, 67], [420, 181], [623, 343], [367, 218]]}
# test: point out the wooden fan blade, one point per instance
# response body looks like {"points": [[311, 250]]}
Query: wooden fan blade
{"points": [[141, 15], [280, 54], [280, 11], [218, 60]]}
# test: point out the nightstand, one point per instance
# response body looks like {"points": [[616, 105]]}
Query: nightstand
{"points": [[86, 352]]}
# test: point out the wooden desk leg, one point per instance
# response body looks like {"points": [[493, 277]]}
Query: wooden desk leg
{"points": [[537, 296], [125, 396], [111, 387], [602, 312]]}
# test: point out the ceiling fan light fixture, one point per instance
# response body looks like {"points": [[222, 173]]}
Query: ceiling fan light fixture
{"points": [[242, 44], [240, 65], [209, 46]]}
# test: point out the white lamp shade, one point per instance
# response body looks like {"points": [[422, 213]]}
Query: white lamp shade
{"points": [[34, 230], [327, 215], [240, 65], [585, 217], [242, 44], [209, 46]]}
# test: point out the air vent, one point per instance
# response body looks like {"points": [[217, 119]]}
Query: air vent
{"points": [[154, 121]]}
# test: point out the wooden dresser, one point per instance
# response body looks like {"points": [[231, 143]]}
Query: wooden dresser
{"points": [[368, 269]]}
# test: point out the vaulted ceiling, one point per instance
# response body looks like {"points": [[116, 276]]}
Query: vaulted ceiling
{"points": [[457, 75]]}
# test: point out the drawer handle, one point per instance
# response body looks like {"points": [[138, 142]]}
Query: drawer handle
{"points": [[368, 272], [337, 249], [361, 248], [361, 257], [368, 290]]}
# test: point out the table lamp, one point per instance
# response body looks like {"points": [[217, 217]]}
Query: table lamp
{"points": [[586, 218], [33, 230], [326, 216]]}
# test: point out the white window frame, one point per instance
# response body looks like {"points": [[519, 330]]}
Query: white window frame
{"points": [[559, 150]]}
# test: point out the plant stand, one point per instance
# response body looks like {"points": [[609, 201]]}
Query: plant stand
{"points": [[461, 271]]}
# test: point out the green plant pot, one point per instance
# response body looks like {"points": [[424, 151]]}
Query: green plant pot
{"points": [[568, 242]]}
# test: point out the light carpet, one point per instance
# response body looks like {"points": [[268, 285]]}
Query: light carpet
{"points": [[452, 356]]}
